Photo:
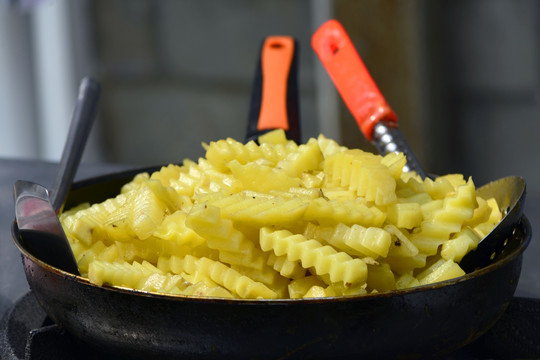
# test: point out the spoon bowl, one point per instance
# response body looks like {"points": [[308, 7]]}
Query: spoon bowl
{"points": [[39, 228], [509, 192]]}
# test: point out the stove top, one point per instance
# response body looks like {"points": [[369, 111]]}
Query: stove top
{"points": [[27, 333]]}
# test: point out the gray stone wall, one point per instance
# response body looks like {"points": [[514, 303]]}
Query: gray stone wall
{"points": [[463, 76], [486, 75], [177, 73]]}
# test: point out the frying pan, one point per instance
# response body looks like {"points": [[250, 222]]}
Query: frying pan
{"points": [[427, 321]]}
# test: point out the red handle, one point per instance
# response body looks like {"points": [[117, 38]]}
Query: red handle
{"points": [[276, 59], [350, 76]]}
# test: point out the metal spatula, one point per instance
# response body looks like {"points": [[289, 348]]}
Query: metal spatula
{"points": [[378, 122], [372, 113], [36, 213]]}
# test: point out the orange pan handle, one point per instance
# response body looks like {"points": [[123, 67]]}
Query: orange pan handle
{"points": [[351, 78], [274, 102]]}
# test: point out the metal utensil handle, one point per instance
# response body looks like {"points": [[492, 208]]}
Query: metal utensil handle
{"points": [[350, 76], [81, 123], [387, 138], [376, 119]]}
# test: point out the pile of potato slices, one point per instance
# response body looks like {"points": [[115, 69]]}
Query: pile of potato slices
{"points": [[276, 219]]}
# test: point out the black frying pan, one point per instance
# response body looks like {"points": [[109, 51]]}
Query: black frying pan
{"points": [[425, 321]]}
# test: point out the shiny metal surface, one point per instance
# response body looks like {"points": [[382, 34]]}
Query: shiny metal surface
{"points": [[41, 232], [510, 195], [387, 138]]}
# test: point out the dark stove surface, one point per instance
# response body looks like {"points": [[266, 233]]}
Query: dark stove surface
{"points": [[27, 333]]}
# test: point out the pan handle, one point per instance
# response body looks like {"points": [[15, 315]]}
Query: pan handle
{"points": [[351, 77], [274, 100]]}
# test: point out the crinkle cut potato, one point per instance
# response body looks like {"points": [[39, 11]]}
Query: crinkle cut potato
{"points": [[280, 220]]}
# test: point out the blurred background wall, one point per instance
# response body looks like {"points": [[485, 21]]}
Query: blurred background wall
{"points": [[462, 75]]}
